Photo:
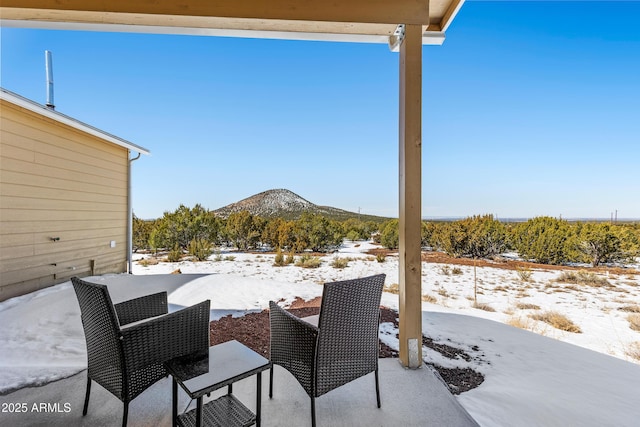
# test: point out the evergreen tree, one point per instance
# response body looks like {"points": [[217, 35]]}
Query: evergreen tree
{"points": [[544, 239], [244, 230], [141, 231], [390, 234], [599, 243], [315, 232]]}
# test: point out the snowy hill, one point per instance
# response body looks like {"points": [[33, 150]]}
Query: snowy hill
{"points": [[287, 204]]}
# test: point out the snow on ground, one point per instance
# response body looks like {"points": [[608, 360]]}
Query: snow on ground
{"points": [[528, 377], [594, 309]]}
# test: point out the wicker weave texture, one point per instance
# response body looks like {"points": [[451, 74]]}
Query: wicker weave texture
{"points": [[101, 332], [127, 360], [293, 345], [141, 308], [226, 411], [163, 338], [348, 344], [345, 344]]}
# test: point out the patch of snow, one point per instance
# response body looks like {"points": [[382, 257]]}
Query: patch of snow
{"points": [[546, 378]]}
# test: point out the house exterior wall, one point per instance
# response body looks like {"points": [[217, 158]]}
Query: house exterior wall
{"points": [[57, 182]]}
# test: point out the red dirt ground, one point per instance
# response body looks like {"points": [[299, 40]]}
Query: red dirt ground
{"points": [[253, 331]]}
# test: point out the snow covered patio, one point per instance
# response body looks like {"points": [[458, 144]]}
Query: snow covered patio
{"points": [[529, 379]]}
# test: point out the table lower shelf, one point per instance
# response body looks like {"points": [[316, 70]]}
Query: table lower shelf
{"points": [[225, 411]]}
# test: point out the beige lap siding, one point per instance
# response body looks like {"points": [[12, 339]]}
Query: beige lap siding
{"points": [[58, 182]]}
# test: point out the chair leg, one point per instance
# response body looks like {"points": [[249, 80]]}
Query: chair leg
{"points": [[271, 382], [313, 412], [125, 415], [377, 388], [86, 396]]}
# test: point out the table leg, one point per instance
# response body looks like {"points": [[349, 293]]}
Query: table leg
{"points": [[199, 413], [259, 399], [175, 403], [230, 389]]}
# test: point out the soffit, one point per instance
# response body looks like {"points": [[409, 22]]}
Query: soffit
{"points": [[356, 20]]}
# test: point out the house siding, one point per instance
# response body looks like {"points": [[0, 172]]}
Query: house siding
{"points": [[58, 182]]}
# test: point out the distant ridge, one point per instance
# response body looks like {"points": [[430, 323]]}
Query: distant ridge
{"points": [[288, 205]]}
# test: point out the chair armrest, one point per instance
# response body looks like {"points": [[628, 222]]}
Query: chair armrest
{"points": [[293, 345], [141, 308], [163, 338]]}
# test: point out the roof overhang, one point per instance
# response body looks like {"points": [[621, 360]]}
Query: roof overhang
{"points": [[42, 110], [365, 21]]}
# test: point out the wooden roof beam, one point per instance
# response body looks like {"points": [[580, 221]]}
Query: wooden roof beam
{"points": [[356, 11], [365, 21]]}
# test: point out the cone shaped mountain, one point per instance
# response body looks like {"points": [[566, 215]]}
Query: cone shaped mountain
{"points": [[288, 205]]}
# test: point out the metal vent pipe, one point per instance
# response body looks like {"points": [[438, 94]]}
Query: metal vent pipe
{"points": [[49, 69]]}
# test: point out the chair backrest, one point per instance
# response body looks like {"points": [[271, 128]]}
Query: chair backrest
{"points": [[101, 330], [348, 339]]}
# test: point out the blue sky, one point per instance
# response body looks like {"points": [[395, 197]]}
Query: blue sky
{"points": [[529, 109]]}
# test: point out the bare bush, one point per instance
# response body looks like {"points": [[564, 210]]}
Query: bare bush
{"points": [[429, 298], [630, 308], [519, 322], [456, 271], [393, 288], [278, 261], [583, 277], [526, 306], [524, 274], [483, 306], [634, 321], [340, 262], [558, 321], [290, 258], [308, 261], [145, 262], [633, 350]]}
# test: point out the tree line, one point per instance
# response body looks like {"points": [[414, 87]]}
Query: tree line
{"points": [[187, 229], [545, 240], [542, 239]]}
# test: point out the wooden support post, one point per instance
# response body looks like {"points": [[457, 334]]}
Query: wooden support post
{"points": [[410, 263]]}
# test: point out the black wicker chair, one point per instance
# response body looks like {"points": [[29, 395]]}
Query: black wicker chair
{"points": [[344, 346], [126, 360]]}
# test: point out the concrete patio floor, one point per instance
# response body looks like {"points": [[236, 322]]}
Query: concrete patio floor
{"points": [[409, 398]]}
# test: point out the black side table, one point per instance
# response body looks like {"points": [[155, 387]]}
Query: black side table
{"points": [[201, 373]]}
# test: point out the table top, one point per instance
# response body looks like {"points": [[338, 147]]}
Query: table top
{"points": [[219, 366]]}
